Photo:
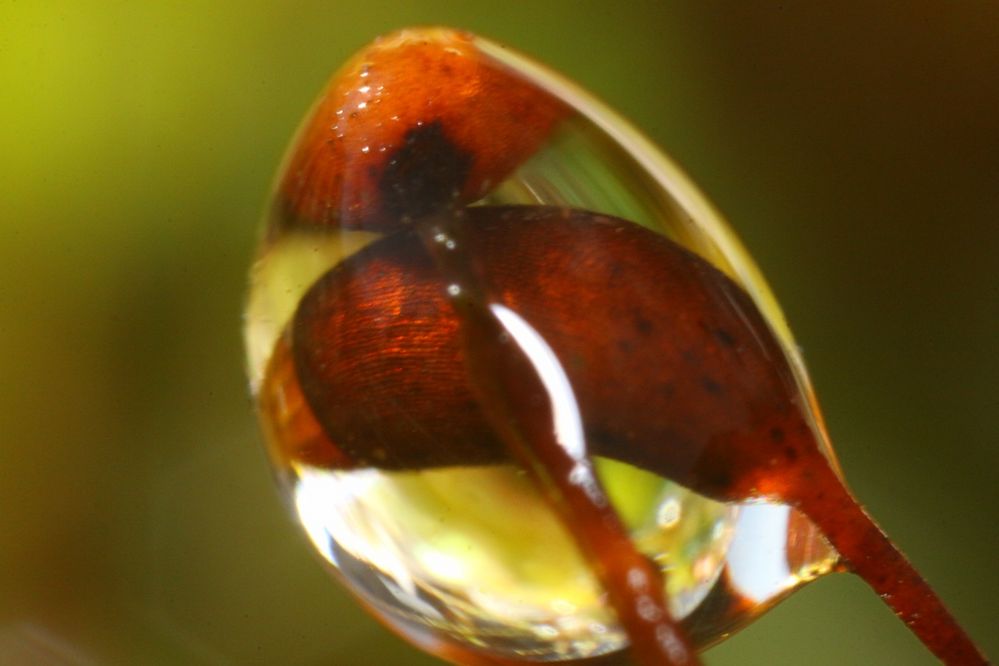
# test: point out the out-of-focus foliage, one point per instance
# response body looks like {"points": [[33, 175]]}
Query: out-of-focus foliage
{"points": [[855, 147]]}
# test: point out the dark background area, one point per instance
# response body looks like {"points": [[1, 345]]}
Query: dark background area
{"points": [[854, 146]]}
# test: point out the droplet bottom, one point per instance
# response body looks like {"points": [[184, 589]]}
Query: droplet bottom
{"points": [[440, 549]]}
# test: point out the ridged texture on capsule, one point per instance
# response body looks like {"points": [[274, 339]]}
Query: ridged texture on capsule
{"points": [[673, 367]]}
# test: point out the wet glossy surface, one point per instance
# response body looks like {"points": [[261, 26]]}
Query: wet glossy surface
{"points": [[539, 336], [380, 365]]}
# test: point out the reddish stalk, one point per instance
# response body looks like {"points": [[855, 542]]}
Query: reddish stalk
{"points": [[521, 409], [870, 554]]}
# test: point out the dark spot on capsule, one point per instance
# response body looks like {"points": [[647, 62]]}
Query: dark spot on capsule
{"points": [[576, 363], [690, 357], [425, 174], [777, 435], [713, 476], [791, 453], [624, 346], [666, 389], [711, 386], [724, 337], [643, 325]]}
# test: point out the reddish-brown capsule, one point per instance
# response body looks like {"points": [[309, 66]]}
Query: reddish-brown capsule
{"points": [[674, 369], [418, 121]]}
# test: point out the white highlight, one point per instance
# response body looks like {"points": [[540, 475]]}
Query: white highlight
{"points": [[568, 422], [323, 502], [756, 570]]}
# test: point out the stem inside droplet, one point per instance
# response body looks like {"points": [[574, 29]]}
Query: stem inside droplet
{"points": [[527, 398]]}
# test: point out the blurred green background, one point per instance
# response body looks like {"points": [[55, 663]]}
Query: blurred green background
{"points": [[853, 145]]}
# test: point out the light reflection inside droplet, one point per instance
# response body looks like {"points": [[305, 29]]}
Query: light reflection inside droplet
{"points": [[757, 563]]}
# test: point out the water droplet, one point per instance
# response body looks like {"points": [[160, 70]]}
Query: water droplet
{"points": [[565, 215]]}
